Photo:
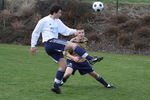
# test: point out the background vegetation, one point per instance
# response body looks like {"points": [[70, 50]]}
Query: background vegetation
{"points": [[131, 1], [124, 32]]}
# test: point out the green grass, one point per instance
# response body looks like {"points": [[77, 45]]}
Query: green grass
{"points": [[26, 77]]}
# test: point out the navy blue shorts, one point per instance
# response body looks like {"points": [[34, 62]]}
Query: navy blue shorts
{"points": [[82, 67], [55, 47]]}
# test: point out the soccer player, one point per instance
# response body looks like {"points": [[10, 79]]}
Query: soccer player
{"points": [[81, 64], [50, 27]]}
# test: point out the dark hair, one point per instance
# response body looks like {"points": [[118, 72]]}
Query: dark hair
{"points": [[55, 9]]}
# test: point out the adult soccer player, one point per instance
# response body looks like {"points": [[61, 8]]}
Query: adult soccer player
{"points": [[81, 64], [50, 27]]}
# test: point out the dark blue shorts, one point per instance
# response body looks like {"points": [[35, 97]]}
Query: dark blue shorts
{"points": [[82, 67], [55, 47]]}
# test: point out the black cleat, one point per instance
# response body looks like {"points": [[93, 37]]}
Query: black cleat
{"points": [[56, 90], [95, 59], [110, 86], [61, 83]]}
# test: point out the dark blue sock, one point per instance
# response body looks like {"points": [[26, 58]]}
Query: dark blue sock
{"points": [[101, 80], [65, 79], [59, 76], [82, 53]]}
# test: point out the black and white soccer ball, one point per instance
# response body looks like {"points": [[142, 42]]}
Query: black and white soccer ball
{"points": [[98, 6]]}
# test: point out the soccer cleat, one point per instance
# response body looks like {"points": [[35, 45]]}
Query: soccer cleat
{"points": [[56, 90], [95, 59], [61, 83], [110, 86]]}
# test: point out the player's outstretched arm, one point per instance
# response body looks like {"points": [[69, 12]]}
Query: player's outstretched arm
{"points": [[33, 50]]}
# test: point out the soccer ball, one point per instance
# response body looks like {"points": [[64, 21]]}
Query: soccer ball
{"points": [[98, 6]]}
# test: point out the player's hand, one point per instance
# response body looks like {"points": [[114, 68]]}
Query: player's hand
{"points": [[33, 50], [76, 33], [76, 59]]}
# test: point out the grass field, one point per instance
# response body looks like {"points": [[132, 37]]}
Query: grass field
{"points": [[26, 77]]}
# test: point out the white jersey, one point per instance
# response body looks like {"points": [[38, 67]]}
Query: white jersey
{"points": [[50, 28]]}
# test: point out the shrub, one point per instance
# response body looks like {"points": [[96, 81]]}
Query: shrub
{"points": [[78, 11], [130, 25], [112, 31], [17, 25], [124, 39], [120, 18], [26, 9], [85, 26], [36, 18], [139, 45], [93, 37], [43, 7], [146, 19], [15, 5], [143, 32], [5, 16]]}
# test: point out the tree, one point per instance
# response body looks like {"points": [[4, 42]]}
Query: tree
{"points": [[2, 4]]}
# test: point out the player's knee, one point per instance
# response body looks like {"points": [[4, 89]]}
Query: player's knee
{"points": [[74, 45], [68, 74], [95, 75], [71, 45], [62, 64]]}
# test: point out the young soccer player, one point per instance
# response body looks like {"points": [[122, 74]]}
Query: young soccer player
{"points": [[50, 27], [75, 62]]}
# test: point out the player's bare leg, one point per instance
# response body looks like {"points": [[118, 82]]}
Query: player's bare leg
{"points": [[67, 74], [82, 53]]}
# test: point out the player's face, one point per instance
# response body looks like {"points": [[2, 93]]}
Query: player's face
{"points": [[58, 14], [80, 34]]}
